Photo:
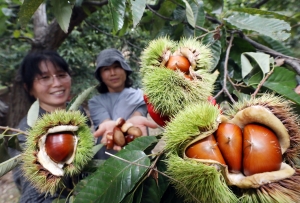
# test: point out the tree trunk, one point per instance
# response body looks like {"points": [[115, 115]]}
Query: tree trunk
{"points": [[18, 105]]}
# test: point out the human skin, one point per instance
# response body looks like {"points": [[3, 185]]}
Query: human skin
{"points": [[55, 95], [114, 76], [138, 121]]}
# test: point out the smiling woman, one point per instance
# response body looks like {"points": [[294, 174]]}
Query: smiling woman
{"points": [[117, 99], [45, 76]]}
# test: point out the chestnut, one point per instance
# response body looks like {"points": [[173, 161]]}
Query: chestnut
{"points": [[60, 146], [178, 62], [118, 137], [206, 148], [110, 142], [135, 131], [120, 122], [230, 140], [261, 150], [129, 138]]}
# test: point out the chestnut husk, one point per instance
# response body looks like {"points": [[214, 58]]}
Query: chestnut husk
{"points": [[41, 178], [200, 120]]}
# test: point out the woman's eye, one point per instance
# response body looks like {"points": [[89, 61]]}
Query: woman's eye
{"points": [[45, 77], [62, 75]]}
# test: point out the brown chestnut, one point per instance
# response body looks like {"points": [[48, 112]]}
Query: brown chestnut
{"points": [[261, 150], [178, 62], [230, 140], [118, 137], [110, 142], [120, 122], [206, 148], [135, 131], [60, 146], [129, 138]]}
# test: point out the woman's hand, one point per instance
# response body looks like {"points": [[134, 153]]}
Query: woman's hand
{"points": [[105, 128], [142, 122], [108, 127]]}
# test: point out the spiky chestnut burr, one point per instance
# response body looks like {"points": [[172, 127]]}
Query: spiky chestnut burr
{"points": [[190, 125], [167, 90], [46, 173]]}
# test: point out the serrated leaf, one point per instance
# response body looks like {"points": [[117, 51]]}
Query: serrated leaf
{"points": [[189, 14], [117, 10], [274, 28], [137, 9], [216, 48], [74, 105], [283, 82], [278, 46], [27, 10], [262, 12], [8, 165], [115, 178], [33, 113], [199, 13], [263, 61], [62, 10]]}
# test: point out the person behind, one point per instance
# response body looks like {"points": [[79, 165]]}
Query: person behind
{"points": [[117, 98], [45, 76]]}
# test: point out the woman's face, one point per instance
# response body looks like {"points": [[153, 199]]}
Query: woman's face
{"points": [[52, 87], [114, 76]]}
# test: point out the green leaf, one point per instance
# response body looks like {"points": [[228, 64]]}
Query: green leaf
{"points": [[216, 48], [141, 143], [274, 28], [153, 191], [283, 82], [198, 10], [263, 60], [8, 165], [16, 34], [241, 96], [96, 148], [117, 9], [262, 12], [27, 10], [277, 46], [74, 104], [33, 113], [134, 196], [115, 178], [62, 10], [189, 14], [78, 2], [137, 9]]}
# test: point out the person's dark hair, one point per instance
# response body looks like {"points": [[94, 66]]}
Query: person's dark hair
{"points": [[29, 68], [102, 88]]}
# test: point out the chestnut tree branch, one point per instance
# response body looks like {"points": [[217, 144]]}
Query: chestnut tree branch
{"points": [[262, 82], [224, 88], [13, 130], [293, 62]]}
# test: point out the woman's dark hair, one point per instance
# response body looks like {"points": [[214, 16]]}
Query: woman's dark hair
{"points": [[30, 66], [102, 88]]}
